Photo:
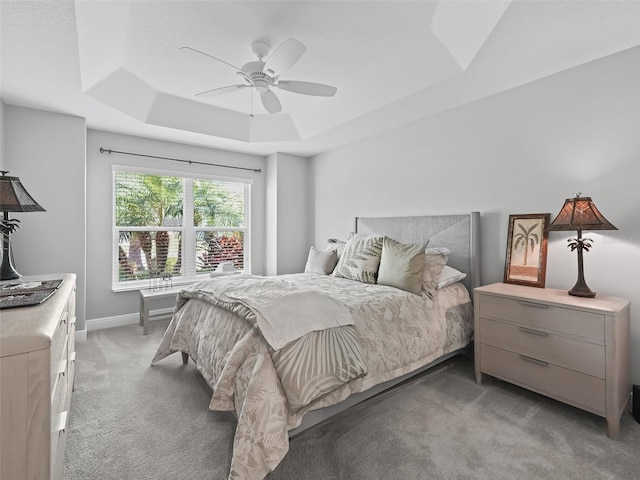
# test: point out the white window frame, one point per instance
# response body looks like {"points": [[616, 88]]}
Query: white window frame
{"points": [[188, 230]]}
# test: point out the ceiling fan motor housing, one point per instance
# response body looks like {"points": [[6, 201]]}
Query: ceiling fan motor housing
{"points": [[260, 80]]}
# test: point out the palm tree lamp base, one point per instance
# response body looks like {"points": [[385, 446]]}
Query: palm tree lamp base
{"points": [[7, 272], [581, 290]]}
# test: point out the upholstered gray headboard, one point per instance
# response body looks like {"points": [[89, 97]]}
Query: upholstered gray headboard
{"points": [[459, 233]]}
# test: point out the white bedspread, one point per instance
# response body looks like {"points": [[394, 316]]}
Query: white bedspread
{"points": [[282, 315]]}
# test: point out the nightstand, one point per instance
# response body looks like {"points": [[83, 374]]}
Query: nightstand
{"points": [[575, 350]]}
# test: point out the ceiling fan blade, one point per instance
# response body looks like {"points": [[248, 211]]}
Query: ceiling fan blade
{"points": [[307, 88], [284, 57], [220, 91], [270, 102], [210, 56]]}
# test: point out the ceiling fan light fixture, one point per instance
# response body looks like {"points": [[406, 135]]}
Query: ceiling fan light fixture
{"points": [[261, 84]]}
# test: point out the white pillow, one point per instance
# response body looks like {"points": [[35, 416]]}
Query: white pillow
{"points": [[435, 260], [448, 276], [321, 262]]}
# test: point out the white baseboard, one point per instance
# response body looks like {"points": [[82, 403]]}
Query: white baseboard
{"points": [[120, 320]]}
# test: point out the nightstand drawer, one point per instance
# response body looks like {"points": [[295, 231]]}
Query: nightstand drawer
{"points": [[561, 383], [544, 315], [560, 350]]}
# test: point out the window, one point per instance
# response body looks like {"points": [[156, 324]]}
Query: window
{"points": [[177, 227]]}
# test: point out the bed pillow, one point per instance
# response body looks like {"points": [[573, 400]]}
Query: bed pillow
{"points": [[448, 276], [335, 245], [321, 262], [434, 261], [360, 259], [401, 265]]}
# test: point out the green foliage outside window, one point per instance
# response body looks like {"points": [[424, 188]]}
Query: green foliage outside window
{"points": [[157, 202]]}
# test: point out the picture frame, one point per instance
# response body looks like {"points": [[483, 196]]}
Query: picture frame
{"points": [[526, 258]]}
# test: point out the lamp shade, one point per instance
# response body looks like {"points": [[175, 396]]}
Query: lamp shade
{"points": [[580, 213], [14, 197]]}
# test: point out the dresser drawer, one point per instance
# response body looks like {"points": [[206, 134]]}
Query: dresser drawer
{"points": [[546, 345], [561, 383], [71, 309], [58, 412], [59, 344], [544, 315], [58, 458]]}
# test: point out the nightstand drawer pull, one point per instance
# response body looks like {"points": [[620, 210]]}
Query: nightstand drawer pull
{"points": [[534, 360], [533, 332], [533, 304]]}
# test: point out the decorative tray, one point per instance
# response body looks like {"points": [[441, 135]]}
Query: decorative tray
{"points": [[22, 294]]}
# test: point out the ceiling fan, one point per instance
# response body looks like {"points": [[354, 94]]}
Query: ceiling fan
{"points": [[263, 75]]}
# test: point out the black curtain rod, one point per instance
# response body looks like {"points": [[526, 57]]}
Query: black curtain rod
{"points": [[190, 162]]}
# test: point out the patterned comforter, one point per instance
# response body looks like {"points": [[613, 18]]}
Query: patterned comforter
{"points": [[394, 333]]}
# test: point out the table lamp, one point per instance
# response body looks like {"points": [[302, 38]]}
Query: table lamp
{"points": [[580, 213], [13, 198]]}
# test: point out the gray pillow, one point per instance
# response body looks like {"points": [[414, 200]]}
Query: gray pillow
{"points": [[321, 262], [401, 266], [360, 259], [335, 245]]}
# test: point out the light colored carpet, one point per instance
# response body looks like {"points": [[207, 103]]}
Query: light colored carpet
{"points": [[133, 421]]}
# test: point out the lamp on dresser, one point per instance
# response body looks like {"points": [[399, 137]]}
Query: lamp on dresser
{"points": [[580, 213], [13, 198]]}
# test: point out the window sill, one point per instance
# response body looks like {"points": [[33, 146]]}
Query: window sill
{"points": [[145, 285], [176, 282]]}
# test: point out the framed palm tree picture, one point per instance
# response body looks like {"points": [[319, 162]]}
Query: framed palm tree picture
{"points": [[526, 262]]}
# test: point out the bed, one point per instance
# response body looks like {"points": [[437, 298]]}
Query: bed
{"points": [[285, 353]]}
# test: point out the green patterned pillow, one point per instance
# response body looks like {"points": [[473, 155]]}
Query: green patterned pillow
{"points": [[401, 266], [360, 259]]}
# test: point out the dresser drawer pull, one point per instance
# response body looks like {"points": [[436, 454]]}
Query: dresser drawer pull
{"points": [[63, 368], [534, 360], [62, 422], [533, 331], [72, 357], [532, 304], [72, 321]]}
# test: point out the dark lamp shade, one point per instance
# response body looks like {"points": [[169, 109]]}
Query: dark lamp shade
{"points": [[580, 213], [14, 197]]}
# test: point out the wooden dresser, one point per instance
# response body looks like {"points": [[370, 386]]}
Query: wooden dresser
{"points": [[572, 349], [37, 355]]}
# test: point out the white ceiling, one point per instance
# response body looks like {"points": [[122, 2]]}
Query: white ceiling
{"points": [[117, 63]]}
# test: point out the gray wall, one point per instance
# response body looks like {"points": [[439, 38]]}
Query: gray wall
{"points": [[522, 151], [1, 135], [102, 302], [286, 214], [47, 151]]}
